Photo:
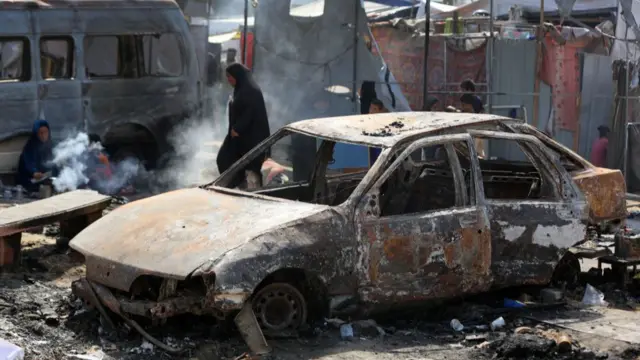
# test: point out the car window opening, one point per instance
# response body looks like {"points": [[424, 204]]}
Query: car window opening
{"points": [[423, 182], [288, 173], [516, 177]]}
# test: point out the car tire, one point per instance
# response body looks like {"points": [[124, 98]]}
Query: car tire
{"points": [[280, 307]]}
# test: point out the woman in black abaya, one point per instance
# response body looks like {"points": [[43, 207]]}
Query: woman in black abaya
{"points": [[248, 123]]}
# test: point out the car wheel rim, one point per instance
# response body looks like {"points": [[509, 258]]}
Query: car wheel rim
{"points": [[280, 307]]}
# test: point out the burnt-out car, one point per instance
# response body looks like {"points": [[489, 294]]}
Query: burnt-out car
{"points": [[429, 220]]}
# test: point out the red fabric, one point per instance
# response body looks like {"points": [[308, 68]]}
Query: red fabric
{"points": [[561, 71], [599, 152], [248, 62], [406, 62]]}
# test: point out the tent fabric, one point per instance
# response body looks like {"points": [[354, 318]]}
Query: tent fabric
{"points": [[501, 7]]}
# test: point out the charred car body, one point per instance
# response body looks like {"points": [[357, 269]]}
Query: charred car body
{"points": [[413, 227]]}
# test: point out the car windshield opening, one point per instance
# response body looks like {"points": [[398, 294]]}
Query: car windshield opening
{"points": [[303, 168]]}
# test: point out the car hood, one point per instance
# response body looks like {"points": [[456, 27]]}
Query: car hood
{"points": [[172, 234]]}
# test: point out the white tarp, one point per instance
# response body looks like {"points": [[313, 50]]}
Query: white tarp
{"points": [[436, 8], [623, 49], [297, 58], [501, 7]]}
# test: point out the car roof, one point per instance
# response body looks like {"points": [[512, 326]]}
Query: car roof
{"points": [[24, 4], [387, 129]]}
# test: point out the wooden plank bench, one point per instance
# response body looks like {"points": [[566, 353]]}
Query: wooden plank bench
{"points": [[74, 210]]}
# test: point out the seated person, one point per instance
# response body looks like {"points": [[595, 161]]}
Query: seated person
{"points": [[34, 163], [98, 167], [100, 171]]}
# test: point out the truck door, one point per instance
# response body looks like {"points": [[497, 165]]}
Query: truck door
{"points": [[422, 231], [535, 208], [59, 87]]}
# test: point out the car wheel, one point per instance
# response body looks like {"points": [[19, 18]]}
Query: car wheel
{"points": [[279, 307]]}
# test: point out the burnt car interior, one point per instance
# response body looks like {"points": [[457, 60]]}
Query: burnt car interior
{"points": [[426, 183], [518, 178], [568, 162], [317, 186], [421, 183]]}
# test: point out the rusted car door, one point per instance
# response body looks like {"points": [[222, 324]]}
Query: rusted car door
{"points": [[529, 228], [436, 244]]}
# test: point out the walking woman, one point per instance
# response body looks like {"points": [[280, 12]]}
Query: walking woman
{"points": [[248, 123]]}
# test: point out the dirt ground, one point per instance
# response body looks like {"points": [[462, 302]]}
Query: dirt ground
{"points": [[39, 313]]}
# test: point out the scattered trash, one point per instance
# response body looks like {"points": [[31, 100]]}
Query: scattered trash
{"points": [[508, 303], [9, 351], [476, 338], [593, 297], [87, 357], [564, 343], [457, 325], [145, 348], [498, 323], [551, 296], [335, 322], [367, 328], [346, 331], [524, 330]]}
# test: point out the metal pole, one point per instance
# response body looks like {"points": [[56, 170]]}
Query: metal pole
{"points": [[244, 31], [354, 90], [626, 151], [536, 84], [446, 75], [490, 68], [425, 75]]}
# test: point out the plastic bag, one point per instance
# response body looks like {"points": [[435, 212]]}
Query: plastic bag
{"points": [[9, 351], [593, 297]]}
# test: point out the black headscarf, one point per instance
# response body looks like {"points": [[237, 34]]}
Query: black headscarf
{"points": [[244, 79]]}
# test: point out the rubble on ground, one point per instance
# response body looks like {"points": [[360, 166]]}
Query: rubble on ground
{"points": [[39, 314]]}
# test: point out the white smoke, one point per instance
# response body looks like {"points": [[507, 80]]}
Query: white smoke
{"points": [[68, 158], [72, 156]]}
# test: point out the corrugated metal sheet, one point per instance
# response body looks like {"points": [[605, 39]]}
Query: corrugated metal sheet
{"points": [[513, 73], [597, 99]]}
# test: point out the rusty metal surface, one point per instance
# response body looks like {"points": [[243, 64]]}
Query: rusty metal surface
{"points": [[219, 307], [605, 191], [172, 234], [529, 238], [385, 130], [234, 240], [603, 188], [56, 208]]}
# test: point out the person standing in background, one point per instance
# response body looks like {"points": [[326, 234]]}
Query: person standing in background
{"points": [[376, 107], [472, 104], [599, 147], [367, 91], [248, 124]]}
